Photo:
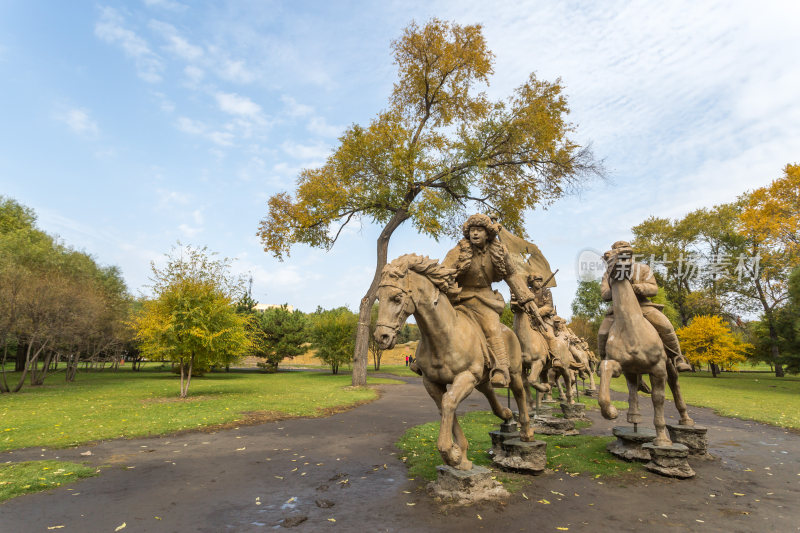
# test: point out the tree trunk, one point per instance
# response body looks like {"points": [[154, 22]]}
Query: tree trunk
{"points": [[365, 309], [714, 370], [19, 365]]}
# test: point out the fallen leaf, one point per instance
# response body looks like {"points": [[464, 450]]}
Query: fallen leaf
{"points": [[157, 517], [701, 521], [411, 504], [86, 453], [241, 449], [544, 502], [331, 520], [121, 526], [406, 492], [525, 496], [738, 494], [562, 528], [480, 518], [55, 527], [665, 516]]}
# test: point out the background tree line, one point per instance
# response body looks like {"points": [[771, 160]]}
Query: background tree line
{"points": [[57, 305], [728, 261]]}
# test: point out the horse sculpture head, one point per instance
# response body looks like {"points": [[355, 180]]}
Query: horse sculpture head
{"points": [[398, 294]]}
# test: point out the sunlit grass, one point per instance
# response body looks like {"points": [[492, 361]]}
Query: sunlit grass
{"points": [[761, 397], [107, 405], [573, 455], [35, 476]]}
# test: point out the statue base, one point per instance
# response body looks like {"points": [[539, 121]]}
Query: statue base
{"points": [[520, 456], [574, 411], [552, 404], [499, 437], [465, 487], [693, 437], [629, 443], [591, 393], [669, 461], [550, 425], [542, 410]]}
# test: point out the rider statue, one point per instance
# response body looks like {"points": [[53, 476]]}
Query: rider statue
{"points": [[479, 260], [645, 287]]}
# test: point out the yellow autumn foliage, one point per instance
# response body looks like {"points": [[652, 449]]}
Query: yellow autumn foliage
{"points": [[709, 340]]}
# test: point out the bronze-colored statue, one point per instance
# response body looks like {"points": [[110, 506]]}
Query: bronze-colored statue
{"points": [[535, 349], [644, 287], [633, 347], [479, 260], [453, 349]]}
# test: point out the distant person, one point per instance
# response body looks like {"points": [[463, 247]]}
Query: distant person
{"points": [[406, 360]]}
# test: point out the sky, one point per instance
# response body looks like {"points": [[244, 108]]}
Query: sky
{"points": [[131, 126]]}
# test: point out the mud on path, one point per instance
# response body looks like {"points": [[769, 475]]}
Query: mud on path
{"points": [[267, 476]]}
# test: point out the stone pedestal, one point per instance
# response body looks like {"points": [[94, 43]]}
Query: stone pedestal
{"points": [[552, 404], [465, 487], [527, 457], [542, 410], [574, 411], [591, 393], [629, 443], [508, 430], [669, 461], [550, 425], [693, 437]]}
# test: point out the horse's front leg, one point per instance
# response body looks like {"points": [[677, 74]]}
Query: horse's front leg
{"points": [[452, 453], [535, 379], [519, 388], [503, 413], [567, 374], [657, 383], [634, 415]]}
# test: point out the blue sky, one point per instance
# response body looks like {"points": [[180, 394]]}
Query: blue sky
{"points": [[129, 126]]}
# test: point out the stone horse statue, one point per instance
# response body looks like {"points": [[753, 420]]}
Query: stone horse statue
{"points": [[451, 349], [634, 348]]}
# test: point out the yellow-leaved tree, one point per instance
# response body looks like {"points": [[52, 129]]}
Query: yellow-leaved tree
{"points": [[440, 151], [708, 340], [192, 319], [770, 223]]}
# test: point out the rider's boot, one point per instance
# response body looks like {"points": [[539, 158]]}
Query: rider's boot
{"points": [[500, 377], [673, 349]]}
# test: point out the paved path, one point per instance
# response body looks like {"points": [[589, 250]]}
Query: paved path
{"points": [[254, 478]]}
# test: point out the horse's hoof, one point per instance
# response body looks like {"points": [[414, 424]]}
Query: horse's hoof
{"points": [[662, 441], [464, 465], [634, 418], [527, 436], [686, 422], [453, 456], [610, 412], [507, 414]]}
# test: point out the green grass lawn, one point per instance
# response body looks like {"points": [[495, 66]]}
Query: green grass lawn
{"points": [[107, 405], [574, 455], [17, 479], [395, 370], [761, 397]]}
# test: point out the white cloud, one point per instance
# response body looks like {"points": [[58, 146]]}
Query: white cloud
{"points": [[195, 74], [110, 28], [320, 126], [176, 43], [169, 5], [193, 127], [79, 121], [221, 138], [238, 105], [305, 152], [295, 109], [189, 231], [235, 71], [169, 199]]}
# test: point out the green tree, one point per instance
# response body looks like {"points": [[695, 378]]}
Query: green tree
{"points": [[282, 333], [333, 335], [507, 316], [588, 311], [192, 319], [438, 151]]}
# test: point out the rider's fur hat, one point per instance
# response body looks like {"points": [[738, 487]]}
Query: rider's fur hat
{"points": [[482, 221]]}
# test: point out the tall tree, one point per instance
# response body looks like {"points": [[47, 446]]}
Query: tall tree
{"points": [[770, 224], [192, 319], [588, 311], [440, 150]]}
